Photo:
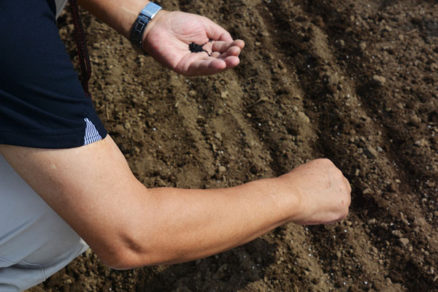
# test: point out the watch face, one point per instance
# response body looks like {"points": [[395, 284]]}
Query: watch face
{"points": [[151, 9]]}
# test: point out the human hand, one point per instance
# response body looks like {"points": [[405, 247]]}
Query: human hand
{"points": [[168, 36], [321, 191]]}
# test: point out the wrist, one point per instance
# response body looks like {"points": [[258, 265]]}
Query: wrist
{"points": [[120, 15], [135, 7], [143, 20], [288, 196], [284, 201], [157, 19]]}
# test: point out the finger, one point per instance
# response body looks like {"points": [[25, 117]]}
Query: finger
{"points": [[201, 64], [239, 43], [206, 66], [221, 46], [232, 61], [232, 51], [215, 54]]}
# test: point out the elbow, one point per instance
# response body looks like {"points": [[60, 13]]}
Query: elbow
{"points": [[130, 244], [124, 256], [125, 253], [120, 260], [124, 259], [127, 258]]}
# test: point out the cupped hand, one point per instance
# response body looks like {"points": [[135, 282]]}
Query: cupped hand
{"points": [[321, 190], [169, 34]]}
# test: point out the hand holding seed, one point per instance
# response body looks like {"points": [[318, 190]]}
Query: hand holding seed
{"points": [[191, 44]]}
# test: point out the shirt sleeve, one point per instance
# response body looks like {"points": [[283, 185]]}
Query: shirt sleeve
{"points": [[42, 103]]}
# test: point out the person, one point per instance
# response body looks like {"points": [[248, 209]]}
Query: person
{"points": [[65, 185]]}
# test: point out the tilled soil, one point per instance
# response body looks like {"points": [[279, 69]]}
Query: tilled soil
{"points": [[354, 81]]}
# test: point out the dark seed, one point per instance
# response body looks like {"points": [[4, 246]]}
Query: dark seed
{"points": [[195, 48]]}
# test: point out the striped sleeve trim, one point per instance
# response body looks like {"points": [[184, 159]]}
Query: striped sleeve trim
{"points": [[91, 133]]}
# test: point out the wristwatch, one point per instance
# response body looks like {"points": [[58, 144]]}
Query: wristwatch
{"points": [[146, 15]]}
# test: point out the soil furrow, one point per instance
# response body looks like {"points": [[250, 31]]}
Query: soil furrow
{"points": [[349, 90], [417, 165], [364, 260]]}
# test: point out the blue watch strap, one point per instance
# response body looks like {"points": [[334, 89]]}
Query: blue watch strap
{"points": [[145, 16]]}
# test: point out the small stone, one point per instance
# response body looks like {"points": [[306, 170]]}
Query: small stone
{"points": [[370, 152], [397, 233], [224, 94], [119, 129], [367, 191], [414, 120], [302, 116], [222, 169], [421, 142], [387, 28], [379, 79], [372, 221], [404, 241]]}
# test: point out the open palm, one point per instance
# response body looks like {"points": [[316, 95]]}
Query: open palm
{"points": [[168, 36]]}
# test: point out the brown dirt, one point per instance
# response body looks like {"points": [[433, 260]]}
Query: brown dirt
{"points": [[354, 81]]}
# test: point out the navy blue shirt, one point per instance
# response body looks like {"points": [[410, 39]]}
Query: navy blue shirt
{"points": [[42, 103]]}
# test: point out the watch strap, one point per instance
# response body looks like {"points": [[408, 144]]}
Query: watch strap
{"points": [[139, 26]]}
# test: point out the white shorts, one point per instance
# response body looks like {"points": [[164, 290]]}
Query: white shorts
{"points": [[34, 241]]}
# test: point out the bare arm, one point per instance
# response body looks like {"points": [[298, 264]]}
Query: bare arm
{"points": [[127, 225], [120, 15]]}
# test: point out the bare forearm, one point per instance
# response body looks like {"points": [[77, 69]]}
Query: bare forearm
{"points": [[127, 225], [189, 224], [118, 14]]}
